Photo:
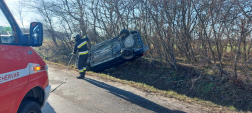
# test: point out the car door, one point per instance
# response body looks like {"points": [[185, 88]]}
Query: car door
{"points": [[14, 66]]}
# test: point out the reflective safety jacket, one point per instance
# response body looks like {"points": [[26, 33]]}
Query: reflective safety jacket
{"points": [[81, 46]]}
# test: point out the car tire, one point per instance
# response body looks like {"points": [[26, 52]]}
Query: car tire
{"points": [[127, 53], [29, 107], [124, 31]]}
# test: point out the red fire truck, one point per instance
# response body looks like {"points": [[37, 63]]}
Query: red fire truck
{"points": [[24, 84]]}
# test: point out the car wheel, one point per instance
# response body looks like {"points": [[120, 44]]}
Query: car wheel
{"points": [[127, 53], [124, 31], [29, 107]]}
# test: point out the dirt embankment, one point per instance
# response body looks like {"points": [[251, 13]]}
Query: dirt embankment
{"points": [[204, 83]]}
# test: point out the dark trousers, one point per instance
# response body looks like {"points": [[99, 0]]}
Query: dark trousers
{"points": [[82, 62]]}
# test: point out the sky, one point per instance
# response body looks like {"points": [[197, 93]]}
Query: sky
{"points": [[27, 14], [4, 21]]}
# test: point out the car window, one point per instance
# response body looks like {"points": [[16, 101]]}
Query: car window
{"points": [[7, 35]]}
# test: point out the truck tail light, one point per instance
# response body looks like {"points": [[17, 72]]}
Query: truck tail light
{"points": [[37, 68]]}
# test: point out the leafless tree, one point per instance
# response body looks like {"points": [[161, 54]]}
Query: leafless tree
{"points": [[185, 28]]}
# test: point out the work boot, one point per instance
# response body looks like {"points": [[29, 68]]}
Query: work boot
{"points": [[82, 76]]}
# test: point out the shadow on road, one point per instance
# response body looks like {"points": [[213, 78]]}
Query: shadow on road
{"points": [[133, 98], [48, 109]]}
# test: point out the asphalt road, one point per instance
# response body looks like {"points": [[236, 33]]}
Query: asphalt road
{"points": [[94, 95]]}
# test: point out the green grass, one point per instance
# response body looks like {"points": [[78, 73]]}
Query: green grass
{"points": [[209, 72], [232, 108], [207, 87]]}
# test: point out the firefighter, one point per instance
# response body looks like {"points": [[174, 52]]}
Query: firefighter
{"points": [[81, 45]]}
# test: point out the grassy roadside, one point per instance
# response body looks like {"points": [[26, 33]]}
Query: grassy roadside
{"points": [[150, 89]]}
